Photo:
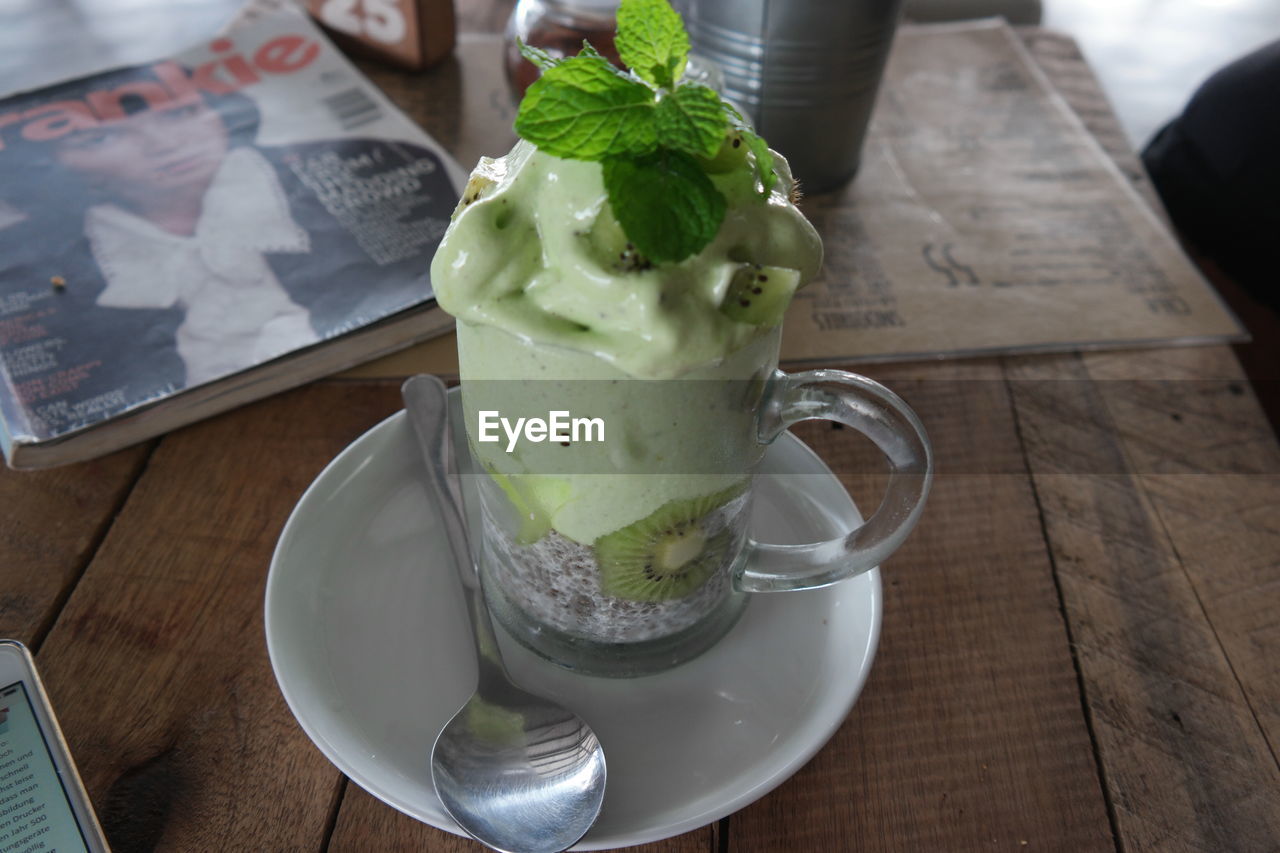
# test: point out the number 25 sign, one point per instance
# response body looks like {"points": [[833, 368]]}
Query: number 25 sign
{"points": [[411, 33]]}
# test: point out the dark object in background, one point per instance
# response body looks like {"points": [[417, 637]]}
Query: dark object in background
{"points": [[1217, 169], [806, 73], [413, 34], [559, 27]]}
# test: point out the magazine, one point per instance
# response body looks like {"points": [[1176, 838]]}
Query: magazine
{"points": [[186, 236]]}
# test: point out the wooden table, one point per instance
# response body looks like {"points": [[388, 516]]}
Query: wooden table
{"points": [[1079, 646]]}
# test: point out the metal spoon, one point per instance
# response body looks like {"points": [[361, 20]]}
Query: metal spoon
{"points": [[518, 772]]}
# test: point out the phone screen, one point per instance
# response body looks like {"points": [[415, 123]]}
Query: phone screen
{"points": [[35, 813]]}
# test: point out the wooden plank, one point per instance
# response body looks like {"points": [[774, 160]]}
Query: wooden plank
{"points": [[1169, 574], [54, 519], [970, 734], [366, 823], [1164, 577], [157, 665], [1210, 463]]}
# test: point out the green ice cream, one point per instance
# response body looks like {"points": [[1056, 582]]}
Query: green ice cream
{"points": [[536, 252], [546, 287]]}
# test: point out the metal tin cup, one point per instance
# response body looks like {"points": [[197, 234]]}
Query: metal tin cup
{"points": [[805, 72]]}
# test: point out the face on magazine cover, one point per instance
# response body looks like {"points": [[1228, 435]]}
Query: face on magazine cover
{"points": [[194, 251], [153, 161], [151, 152]]}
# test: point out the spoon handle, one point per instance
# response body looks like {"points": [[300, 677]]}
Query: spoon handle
{"points": [[427, 403]]}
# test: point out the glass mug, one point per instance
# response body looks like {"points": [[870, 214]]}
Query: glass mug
{"points": [[614, 536]]}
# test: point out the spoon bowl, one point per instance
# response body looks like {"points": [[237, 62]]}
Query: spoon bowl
{"points": [[520, 784], [518, 772]]}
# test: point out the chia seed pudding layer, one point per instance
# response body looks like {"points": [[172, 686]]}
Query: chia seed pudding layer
{"points": [[557, 581]]}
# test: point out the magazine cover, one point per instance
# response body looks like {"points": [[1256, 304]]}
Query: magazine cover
{"points": [[167, 226]]}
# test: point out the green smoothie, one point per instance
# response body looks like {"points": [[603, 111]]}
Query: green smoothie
{"points": [[533, 269], [628, 262]]}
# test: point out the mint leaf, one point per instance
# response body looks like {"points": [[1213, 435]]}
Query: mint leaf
{"points": [[764, 159], [735, 117], [651, 40], [539, 57], [589, 49], [665, 203], [585, 109], [690, 118]]}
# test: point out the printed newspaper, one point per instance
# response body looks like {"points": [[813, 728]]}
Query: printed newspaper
{"points": [[183, 237]]}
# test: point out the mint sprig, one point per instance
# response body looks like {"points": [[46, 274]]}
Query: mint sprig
{"points": [[652, 42], [649, 130], [539, 57], [669, 207], [691, 119], [584, 109]]}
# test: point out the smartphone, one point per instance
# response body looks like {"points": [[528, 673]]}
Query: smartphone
{"points": [[43, 805]]}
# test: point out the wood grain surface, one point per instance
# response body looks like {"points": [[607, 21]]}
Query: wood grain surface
{"points": [[158, 664], [1176, 654], [53, 522], [970, 734]]}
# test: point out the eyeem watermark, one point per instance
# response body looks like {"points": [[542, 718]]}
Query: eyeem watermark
{"points": [[559, 426]]}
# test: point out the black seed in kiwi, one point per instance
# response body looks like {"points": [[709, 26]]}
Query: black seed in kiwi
{"points": [[608, 244], [475, 189], [731, 156], [668, 554], [759, 295]]}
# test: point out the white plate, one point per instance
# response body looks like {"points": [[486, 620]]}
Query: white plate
{"points": [[366, 635]]}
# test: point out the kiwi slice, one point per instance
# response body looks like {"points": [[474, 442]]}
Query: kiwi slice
{"points": [[668, 554], [731, 156], [759, 295], [608, 244], [476, 187]]}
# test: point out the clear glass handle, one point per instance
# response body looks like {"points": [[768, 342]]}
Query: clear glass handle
{"points": [[883, 417]]}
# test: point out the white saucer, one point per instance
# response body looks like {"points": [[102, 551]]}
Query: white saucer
{"points": [[366, 635]]}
